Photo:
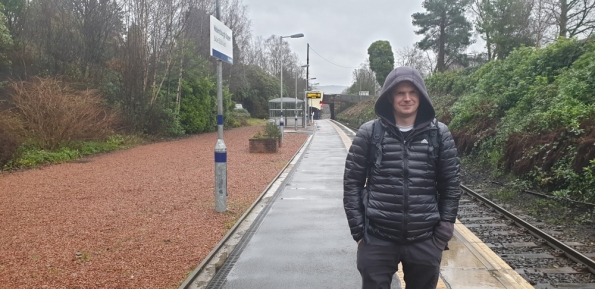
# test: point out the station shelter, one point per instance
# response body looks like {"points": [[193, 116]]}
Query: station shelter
{"points": [[293, 111]]}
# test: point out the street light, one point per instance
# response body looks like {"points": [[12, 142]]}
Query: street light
{"points": [[281, 62], [296, 91], [309, 81]]}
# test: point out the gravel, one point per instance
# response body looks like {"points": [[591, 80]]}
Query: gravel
{"points": [[136, 218], [567, 222]]}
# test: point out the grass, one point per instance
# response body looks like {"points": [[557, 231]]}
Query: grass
{"points": [[257, 122], [505, 195], [230, 224], [84, 256], [31, 156]]}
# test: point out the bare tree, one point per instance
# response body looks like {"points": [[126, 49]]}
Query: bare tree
{"points": [[414, 57], [99, 23], [237, 20], [572, 17], [364, 79], [256, 53], [542, 22], [145, 47], [278, 52], [53, 41]]}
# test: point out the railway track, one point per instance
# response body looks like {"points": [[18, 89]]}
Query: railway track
{"points": [[542, 254]]}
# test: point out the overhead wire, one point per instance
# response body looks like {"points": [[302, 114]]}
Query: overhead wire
{"points": [[331, 61]]}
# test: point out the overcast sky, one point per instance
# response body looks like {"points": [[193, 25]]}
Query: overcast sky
{"points": [[339, 30]]}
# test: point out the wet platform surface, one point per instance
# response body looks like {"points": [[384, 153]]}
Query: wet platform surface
{"points": [[303, 240]]}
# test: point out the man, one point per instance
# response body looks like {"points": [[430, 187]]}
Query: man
{"points": [[401, 207]]}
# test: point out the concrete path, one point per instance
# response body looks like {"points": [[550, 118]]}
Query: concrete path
{"points": [[301, 239], [304, 240]]}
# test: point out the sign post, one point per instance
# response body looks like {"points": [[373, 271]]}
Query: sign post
{"points": [[222, 49]]}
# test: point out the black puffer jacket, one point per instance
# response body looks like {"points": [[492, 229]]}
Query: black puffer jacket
{"points": [[408, 193]]}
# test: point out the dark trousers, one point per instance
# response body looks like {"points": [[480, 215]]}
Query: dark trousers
{"points": [[378, 261]]}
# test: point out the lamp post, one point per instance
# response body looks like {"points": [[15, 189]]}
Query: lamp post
{"points": [[296, 92], [281, 64]]}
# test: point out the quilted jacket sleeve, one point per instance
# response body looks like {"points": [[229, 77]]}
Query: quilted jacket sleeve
{"points": [[354, 180], [448, 181]]}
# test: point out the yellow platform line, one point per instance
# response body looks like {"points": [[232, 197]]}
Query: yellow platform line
{"points": [[440, 285], [501, 271]]}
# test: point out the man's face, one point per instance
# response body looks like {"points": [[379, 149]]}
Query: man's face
{"points": [[405, 99]]}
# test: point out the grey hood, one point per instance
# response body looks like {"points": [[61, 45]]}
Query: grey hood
{"points": [[384, 109]]}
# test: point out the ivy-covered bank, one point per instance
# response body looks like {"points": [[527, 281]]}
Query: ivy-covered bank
{"points": [[531, 115]]}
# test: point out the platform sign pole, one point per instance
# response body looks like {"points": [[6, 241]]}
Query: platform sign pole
{"points": [[295, 107], [282, 122], [222, 49]]}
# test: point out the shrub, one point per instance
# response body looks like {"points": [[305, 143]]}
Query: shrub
{"points": [[272, 130], [358, 114], [36, 157], [259, 134], [11, 136], [198, 108], [54, 113], [238, 117], [162, 121]]}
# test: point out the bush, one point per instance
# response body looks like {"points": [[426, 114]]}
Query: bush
{"points": [[162, 121], [531, 114], [198, 110], [358, 114], [36, 157], [238, 117], [55, 114], [272, 130], [11, 136], [500, 85], [449, 83]]}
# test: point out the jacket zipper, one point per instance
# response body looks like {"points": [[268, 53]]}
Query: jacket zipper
{"points": [[405, 189], [406, 183], [406, 178]]}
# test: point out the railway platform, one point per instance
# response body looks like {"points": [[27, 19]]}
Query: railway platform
{"points": [[296, 235]]}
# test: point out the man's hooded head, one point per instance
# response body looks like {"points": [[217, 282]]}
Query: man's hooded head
{"points": [[384, 106]]}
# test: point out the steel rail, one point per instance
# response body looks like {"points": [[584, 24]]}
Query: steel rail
{"points": [[551, 241]]}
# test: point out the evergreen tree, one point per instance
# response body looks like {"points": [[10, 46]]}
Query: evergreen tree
{"points": [[504, 25], [382, 60], [446, 31]]}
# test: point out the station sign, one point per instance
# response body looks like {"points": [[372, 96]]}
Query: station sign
{"points": [[314, 94], [221, 41]]}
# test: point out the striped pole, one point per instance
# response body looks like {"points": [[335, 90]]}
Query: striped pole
{"points": [[220, 148], [282, 122]]}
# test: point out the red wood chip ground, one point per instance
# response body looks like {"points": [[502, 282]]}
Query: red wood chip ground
{"points": [[136, 218]]}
